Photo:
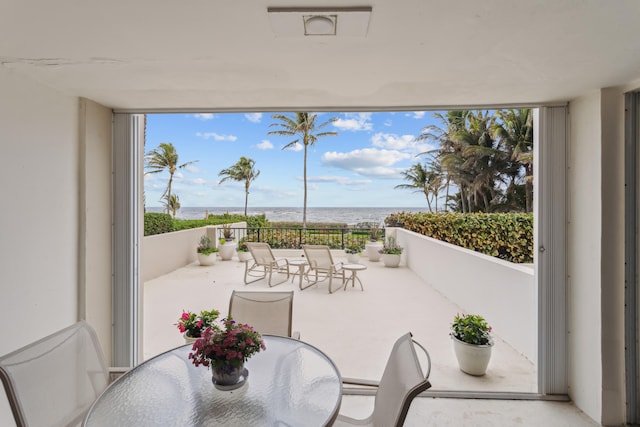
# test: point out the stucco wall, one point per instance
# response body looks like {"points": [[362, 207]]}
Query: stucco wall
{"points": [[584, 255], [502, 292], [39, 243]]}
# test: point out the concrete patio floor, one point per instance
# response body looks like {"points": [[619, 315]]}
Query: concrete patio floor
{"points": [[357, 330]]}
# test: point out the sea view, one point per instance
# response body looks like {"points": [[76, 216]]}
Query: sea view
{"points": [[349, 216]]}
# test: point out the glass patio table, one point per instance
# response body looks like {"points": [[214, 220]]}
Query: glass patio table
{"points": [[291, 383]]}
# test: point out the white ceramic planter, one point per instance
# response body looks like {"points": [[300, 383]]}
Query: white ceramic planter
{"points": [[244, 256], [353, 258], [227, 250], [472, 359], [207, 259], [391, 260], [372, 249]]}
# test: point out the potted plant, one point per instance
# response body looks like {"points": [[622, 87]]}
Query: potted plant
{"points": [[243, 251], [192, 325], [374, 245], [353, 252], [472, 343], [206, 251], [391, 252], [225, 350], [227, 243]]}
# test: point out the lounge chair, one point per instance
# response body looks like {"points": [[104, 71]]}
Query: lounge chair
{"points": [[263, 263], [322, 266], [54, 381], [402, 380], [270, 312]]}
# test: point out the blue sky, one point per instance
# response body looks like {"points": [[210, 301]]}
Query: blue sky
{"points": [[357, 168]]}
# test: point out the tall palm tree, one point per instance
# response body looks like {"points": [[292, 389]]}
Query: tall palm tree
{"points": [[242, 170], [172, 204], [515, 131], [303, 127], [164, 157], [423, 180]]}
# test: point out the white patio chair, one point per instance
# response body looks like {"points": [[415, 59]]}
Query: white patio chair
{"points": [[54, 381], [269, 312], [402, 380], [322, 266], [263, 263]]}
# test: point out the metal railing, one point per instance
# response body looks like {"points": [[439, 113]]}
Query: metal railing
{"points": [[294, 238]]}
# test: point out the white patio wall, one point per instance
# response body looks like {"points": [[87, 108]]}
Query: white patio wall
{"points": [[163, 253], [502, 292]]}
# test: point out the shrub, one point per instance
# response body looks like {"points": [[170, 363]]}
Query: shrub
{"points": [[157, 223], [507, 236]]}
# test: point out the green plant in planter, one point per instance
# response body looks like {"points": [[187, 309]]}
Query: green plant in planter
{"points": [[242, 246], [391, 246], [227, 232], [374, 232], [472, 329], [353, 248], [205, 247]]}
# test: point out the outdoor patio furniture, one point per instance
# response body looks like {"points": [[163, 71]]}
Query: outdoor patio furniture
{"points": [[402, 380], [322, 266], [55, 380], [269, 312], [264, 263], [353, 268]]}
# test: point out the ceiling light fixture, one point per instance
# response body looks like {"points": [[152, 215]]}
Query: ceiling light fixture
{"points": [[320, 25], [319, 21]]}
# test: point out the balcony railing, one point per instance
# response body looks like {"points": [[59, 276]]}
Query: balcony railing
{"points": [[294, 238]]}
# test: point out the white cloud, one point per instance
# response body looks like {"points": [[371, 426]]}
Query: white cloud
{"points": [[417, 114], [254, 117], [216, 137], [405, 143], [192, 168], [336, 179], [265, 145], [296, 147], [354, 122], [362, 159], [204, 116], [198, 181]]}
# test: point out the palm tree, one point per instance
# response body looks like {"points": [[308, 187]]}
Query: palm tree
{"points": [[164, 157], [172, 204], [423, 180], [303, 127], [515, 131], [242, 170]]}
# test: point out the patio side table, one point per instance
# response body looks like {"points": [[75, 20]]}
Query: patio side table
{"points": [[353, 268], [302, 265]]}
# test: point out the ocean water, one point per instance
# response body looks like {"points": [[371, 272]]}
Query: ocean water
{"points": [[349, 216]]}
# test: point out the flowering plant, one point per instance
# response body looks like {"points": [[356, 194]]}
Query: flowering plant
{"points": [[353, 248], [193, 324], [472, 329], [205, 246], [231, 345], [242, 246], [391, 246]]}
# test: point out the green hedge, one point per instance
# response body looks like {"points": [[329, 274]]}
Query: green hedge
{"points": [[157, 223], [508, 236]]}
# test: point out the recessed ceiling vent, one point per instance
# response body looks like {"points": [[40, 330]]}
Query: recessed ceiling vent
{"points": [[304, 22]]}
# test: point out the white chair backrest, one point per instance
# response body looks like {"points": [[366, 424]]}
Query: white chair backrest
{"points": [[54, 381], [402, 380], [318, 256], [269, 312], [261, 252]]}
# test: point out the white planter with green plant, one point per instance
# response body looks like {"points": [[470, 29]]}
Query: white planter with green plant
{"points": [[373, 246], [227, 243], [472, 343], [243, 251], [207, 254], [391, 252], [353, 252]]}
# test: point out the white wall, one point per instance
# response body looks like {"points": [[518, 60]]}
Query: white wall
{"points": [[502, 292], [39, 219], [584, 255]]}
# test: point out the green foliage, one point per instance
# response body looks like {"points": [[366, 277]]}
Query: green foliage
{"points": [[391, 247], [508, 236], [205, 247], [353, 248], [157, 223], [311, 225], [472, 329]]}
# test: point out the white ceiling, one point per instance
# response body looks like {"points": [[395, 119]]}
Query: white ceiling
{"points": [[223, 54]]}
